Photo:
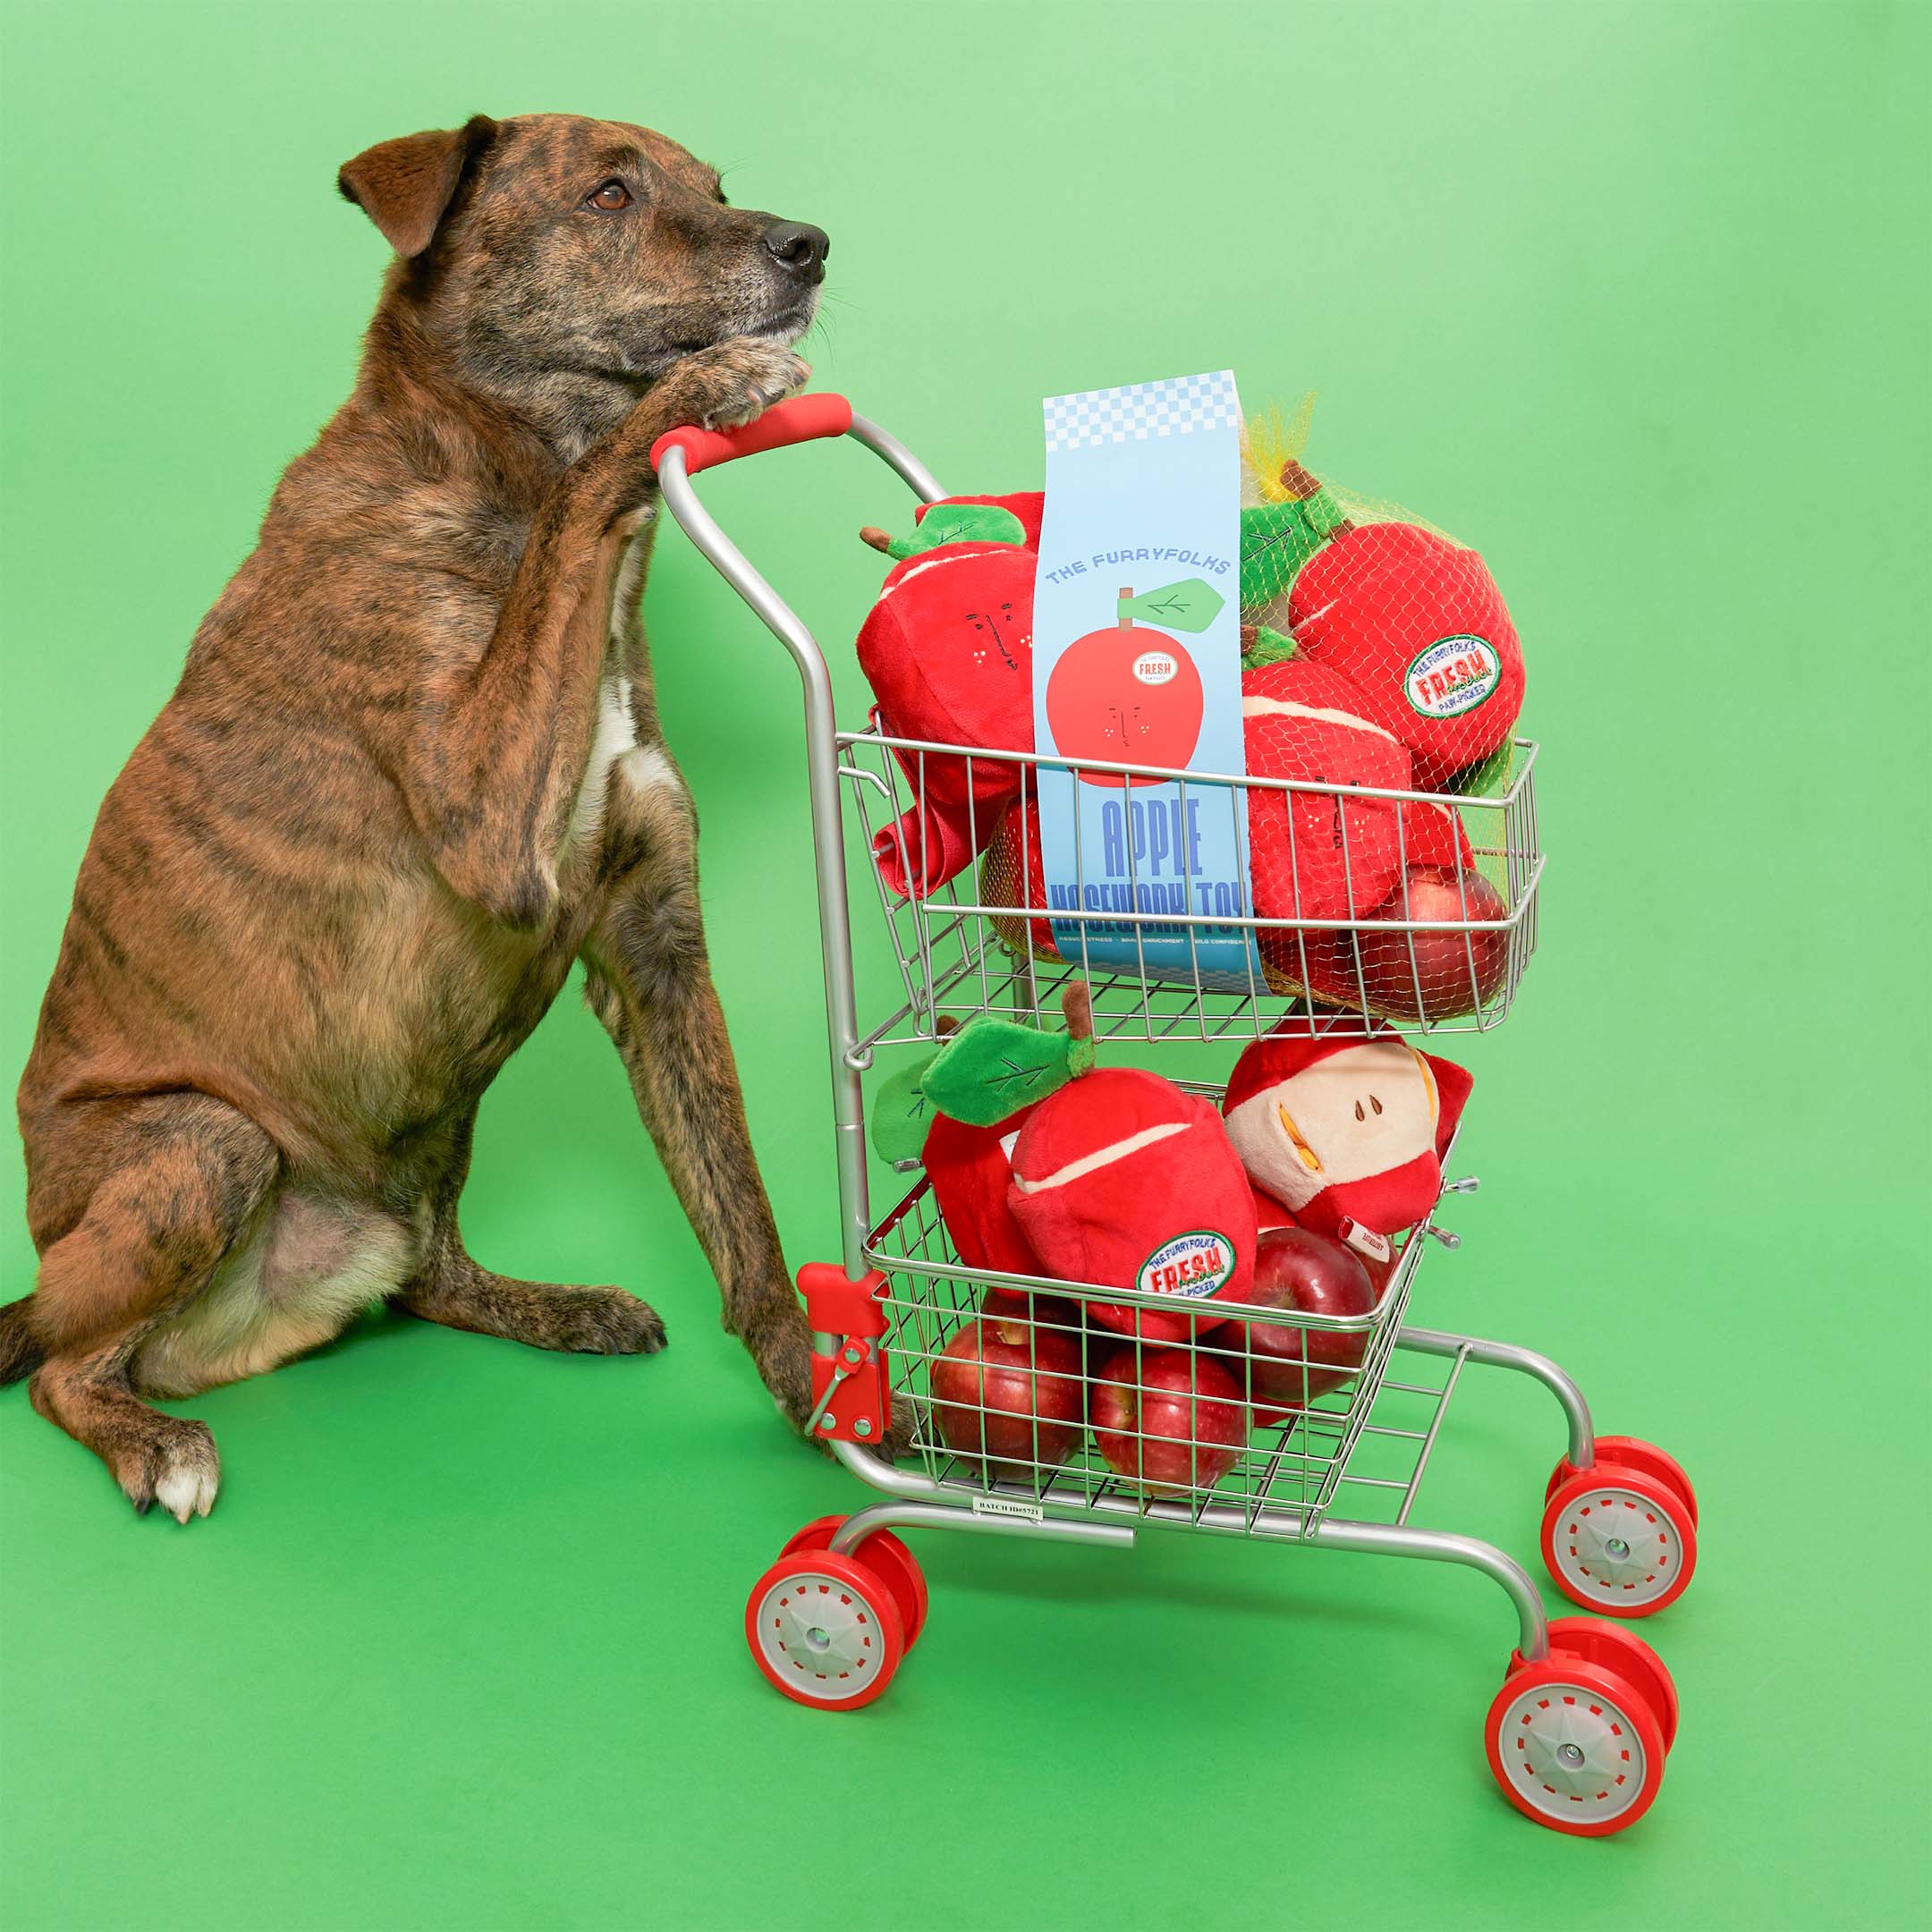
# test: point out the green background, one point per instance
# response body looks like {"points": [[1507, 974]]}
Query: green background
{"points": [[1633, 297]]}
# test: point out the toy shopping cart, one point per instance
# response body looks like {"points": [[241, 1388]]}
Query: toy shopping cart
{"points": [[1578, 1731]]}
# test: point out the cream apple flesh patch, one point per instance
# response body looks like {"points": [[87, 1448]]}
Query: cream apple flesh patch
{"points": [[1347, 1129]]}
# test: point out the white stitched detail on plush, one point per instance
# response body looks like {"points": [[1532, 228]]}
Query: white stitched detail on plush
{"points": [[1281, 707], [1100, 1157], [945, 554]]}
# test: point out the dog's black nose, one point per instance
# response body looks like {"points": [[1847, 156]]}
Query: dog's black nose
{"points": [[799, 248]]}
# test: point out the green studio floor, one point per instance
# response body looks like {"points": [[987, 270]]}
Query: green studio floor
{"points": [[1632, 297]]}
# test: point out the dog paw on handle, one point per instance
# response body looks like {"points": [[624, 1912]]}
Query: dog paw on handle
{"points": [[734, 382]]}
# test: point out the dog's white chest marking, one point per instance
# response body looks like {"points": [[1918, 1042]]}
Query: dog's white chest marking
{"points": [[615, 738], [614, 748]]}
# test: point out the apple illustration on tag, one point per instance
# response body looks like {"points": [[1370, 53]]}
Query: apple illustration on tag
{"points": [[1131, 693]]}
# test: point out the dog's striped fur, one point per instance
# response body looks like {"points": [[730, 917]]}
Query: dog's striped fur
{"points": [[412, 772]]}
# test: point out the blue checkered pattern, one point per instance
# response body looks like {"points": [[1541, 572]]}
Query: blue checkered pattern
{"points": [[1132, 414]]}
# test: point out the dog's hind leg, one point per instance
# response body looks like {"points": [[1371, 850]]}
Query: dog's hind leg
{"points": [[20, 1352], [187, 1176]]}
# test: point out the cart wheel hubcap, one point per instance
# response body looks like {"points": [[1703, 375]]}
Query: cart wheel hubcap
{"points": [[1618, 1547], [820, 1630], [1571, 1753]]}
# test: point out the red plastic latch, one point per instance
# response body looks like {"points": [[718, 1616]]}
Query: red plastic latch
{"points": [[859, 1406], [836, 1304]]}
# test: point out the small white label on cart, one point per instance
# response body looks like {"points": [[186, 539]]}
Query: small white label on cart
{"points": [[995, 1505], [1366, 1241]]}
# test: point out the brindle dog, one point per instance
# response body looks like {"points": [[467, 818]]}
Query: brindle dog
{"points": [[412, 770]]}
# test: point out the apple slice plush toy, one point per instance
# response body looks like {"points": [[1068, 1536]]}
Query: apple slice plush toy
{"points": [[1341, 1128], [1119, 1179]]}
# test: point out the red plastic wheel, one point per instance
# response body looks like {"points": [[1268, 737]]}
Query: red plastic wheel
{"points": [[824, 1630], [881, 1551], [1619, 1541], [1575, 1746], [1615, 1648], [1633, 1452]]}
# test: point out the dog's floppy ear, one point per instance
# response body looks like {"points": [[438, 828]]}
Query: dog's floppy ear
{"points": [[404, 185]]}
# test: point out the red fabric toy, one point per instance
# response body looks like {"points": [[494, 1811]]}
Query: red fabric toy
{"points": [[1299, 721], [970, 1168], [1122, 1179], [1341, 1128], [948, 650], [1416, 622]]}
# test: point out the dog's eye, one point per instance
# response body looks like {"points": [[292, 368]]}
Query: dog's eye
{"points": [[610, 195]]}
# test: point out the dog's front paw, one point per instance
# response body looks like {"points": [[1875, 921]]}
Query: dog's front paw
{"points": [[733, 382], [784, 1361], [602, 1321]]}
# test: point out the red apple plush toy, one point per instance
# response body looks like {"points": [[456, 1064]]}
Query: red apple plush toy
{"points": [[948, 650], [970, 1168], [1125, 1180], [1339, 856], [1341, 1128], [1416, 622], [1120, 1179]]}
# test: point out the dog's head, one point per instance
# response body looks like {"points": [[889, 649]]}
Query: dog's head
{"points": [[563, 258]]}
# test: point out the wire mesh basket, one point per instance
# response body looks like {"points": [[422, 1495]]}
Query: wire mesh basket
{"points": [[1370, 905], [1314, 1421]]}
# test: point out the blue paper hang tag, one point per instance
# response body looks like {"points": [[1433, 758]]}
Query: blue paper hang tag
{"points": [[1137, 661]]}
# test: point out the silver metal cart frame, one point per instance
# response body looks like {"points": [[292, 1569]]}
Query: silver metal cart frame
{"points": [[902, 1246]]}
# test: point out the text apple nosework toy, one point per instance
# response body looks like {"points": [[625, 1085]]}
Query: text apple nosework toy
{"points": [[1131, 693]]}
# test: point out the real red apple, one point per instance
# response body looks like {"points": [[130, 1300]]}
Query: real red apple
{"points": [[1282, 1365], [1172, 1420], [1015, 1304], [1131, 694], [1010, 1392], [1447, 974]]}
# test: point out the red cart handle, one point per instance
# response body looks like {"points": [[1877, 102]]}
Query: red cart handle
{"points": [[797, 420]]}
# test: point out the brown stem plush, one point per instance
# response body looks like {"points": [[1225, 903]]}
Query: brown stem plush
{"points": [[1076, 1001]]}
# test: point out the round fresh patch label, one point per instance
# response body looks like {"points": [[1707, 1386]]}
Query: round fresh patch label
{"points": [[1195, 1263], [1155, 667], [1453, 675]]}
